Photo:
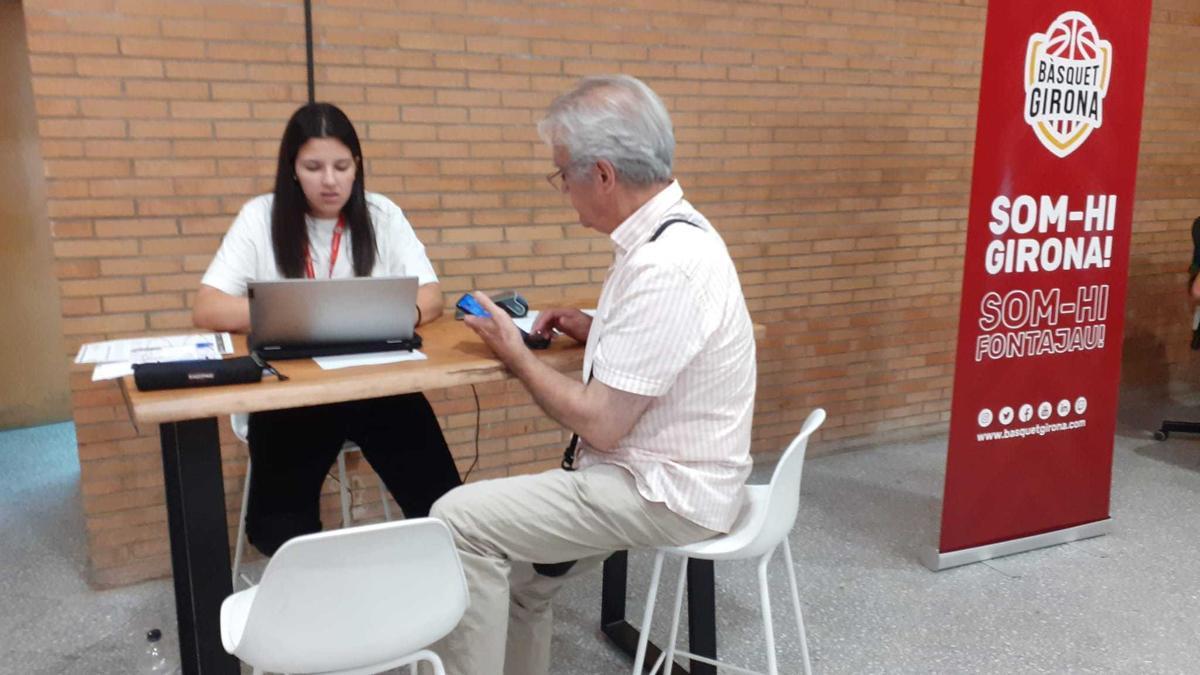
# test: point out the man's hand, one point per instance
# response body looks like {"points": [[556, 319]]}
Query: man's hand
{"points": [[600, 414], [498, 331], [570, 322]]}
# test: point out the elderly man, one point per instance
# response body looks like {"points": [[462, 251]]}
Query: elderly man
{"points": [[663, 411]]}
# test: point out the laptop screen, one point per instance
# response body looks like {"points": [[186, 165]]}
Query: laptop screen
{"points": [[308, 312]]}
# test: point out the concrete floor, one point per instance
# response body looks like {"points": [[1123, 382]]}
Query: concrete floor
{"points": [[1128, 602]]}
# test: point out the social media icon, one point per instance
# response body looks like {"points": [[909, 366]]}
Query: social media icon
{"points": [[985, 417], [1064, 408], [1025, 412], [1080, 405], [1006, 415], [1044, 410]]}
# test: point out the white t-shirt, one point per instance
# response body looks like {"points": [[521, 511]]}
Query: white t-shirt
{"points": [[246, 254]]}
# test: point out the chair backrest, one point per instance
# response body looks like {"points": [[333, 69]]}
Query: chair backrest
{"points": [[783, 493], [355, 597]]}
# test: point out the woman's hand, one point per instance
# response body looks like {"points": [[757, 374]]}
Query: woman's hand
{"points": [[429, 302], [218, 310]]}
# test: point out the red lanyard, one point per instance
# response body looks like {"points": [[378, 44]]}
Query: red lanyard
{"points": [[334, 246]]}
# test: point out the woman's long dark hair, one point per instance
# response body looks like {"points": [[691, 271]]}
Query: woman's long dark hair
{"points": [[289, 233]]}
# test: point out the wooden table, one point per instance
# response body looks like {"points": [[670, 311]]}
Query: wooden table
{"points": [[456, 357], [195, 493]]}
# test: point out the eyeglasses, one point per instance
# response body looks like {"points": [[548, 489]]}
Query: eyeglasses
{"points": [[557, 180]]}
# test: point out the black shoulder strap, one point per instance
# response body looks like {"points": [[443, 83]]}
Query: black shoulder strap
{"points": [[662, 228]]}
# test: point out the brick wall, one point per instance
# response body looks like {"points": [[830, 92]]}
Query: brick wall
{"points": [[1157, 358], [829, 140]]}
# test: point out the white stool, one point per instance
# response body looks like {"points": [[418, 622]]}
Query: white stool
{"points": [[768, 514], [241, 426]]}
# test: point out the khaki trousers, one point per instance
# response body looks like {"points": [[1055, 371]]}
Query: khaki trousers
{"points": [[502, 526]]}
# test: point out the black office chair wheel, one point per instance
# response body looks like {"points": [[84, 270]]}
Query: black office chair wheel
{"points": [[1160, 435]]}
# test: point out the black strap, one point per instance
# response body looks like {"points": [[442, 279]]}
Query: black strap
{"points": [[265, 365], [568, 460], [664, 226]]}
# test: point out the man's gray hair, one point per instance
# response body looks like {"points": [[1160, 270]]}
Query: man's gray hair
{"points": [[613, 117]]}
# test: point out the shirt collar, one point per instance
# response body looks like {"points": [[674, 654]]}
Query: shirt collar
{"points": [[640, 225]]}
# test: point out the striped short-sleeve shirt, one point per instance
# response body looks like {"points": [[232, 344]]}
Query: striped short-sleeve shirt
{"points": [[672, 324]]}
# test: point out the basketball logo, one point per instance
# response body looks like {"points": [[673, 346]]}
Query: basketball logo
{"points": [[1067, 71]]}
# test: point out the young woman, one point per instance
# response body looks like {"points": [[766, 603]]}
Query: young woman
{"points": [[320, 223]]}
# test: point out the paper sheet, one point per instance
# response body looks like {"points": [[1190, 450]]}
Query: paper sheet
{"points": [[115, 358], [369, 359], [111, 371], [525, 323], [157, 348]]}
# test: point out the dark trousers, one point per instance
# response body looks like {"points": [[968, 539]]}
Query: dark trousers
{"points": [[292, 451]]}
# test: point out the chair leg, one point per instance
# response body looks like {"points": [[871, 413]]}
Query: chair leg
{"points": [[343, 490], [640, 660], [669, 661], [434, 660], [383, 497], [240, 546], [791, 569], [768, 628]]}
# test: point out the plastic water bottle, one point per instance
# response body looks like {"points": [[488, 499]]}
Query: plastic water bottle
{"points": [[156, 659]]}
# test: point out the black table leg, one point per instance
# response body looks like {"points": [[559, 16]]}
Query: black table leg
{"points": [[702, 614], [702, 626], [199, 542]]}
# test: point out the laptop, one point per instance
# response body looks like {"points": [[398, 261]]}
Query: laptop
{"points": [[302, 318]]}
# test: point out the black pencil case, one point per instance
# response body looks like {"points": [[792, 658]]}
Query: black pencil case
{"points": [[198, 373]]}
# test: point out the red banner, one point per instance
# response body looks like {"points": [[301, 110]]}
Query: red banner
{"points": [[1040, 326]]}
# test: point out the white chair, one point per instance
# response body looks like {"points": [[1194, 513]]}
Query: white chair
{"points": [[340, 602], [767, 516], [241, 427]]}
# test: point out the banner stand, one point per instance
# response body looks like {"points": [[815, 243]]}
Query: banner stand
{"points": [[938, 561], [1037, 367]]}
